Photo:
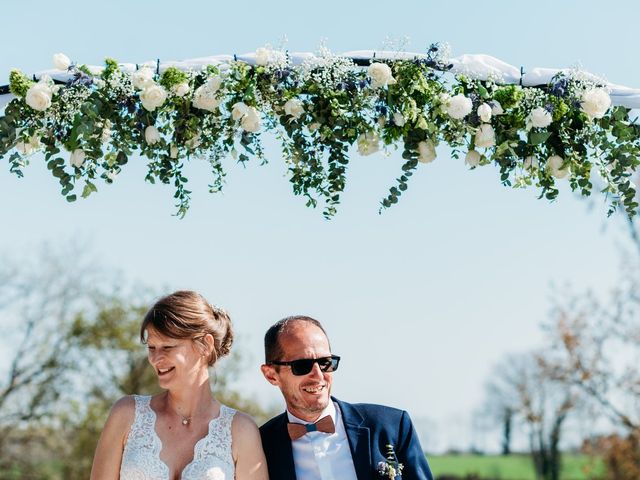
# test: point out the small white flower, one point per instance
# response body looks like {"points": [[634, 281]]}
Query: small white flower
{"points": [[496, 108], [181, 89], [111, 175], [472, 158], [205, 99], [251, 120], [381, 75], [105, 136], [539, 118], [151, 135], [530, 163], [215, 473], [263, 56], [153, 96], [554, 166], [214, 84], [399, 119], [61, 61], [173, 151], [194, 142], [239, 110], [484, 112], [142, 78], [368, 143], [595, 102], [39, 96], [294, 108], [426, 151], [458, 106], [77, 158], [485, 136]]}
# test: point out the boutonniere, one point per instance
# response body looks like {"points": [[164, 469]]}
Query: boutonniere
{"points": [[391, 468]]}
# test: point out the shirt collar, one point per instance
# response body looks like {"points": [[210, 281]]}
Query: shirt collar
{"points": [[330, 410]]}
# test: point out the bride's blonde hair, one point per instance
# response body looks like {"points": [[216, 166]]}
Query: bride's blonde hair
{"points": [[187, 315]]}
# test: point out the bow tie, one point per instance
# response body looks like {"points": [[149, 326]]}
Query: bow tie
{"points": [[297, 430]]}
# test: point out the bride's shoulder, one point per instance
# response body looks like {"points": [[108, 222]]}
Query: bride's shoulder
{"points": [[243, 425], [123, 411]]}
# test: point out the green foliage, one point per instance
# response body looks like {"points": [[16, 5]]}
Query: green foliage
{"points": [[172, 77], [19, 83], [508, 96]]}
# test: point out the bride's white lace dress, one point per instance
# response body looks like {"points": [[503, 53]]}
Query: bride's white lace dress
{"points": [[212, 459]]}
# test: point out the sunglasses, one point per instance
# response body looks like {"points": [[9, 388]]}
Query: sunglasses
{"points": [[305, 365]]}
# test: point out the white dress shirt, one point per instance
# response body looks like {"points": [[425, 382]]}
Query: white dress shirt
{"points": [[323, 456]]}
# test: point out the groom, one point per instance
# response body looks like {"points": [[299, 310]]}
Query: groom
{"points": [[320, 437]]}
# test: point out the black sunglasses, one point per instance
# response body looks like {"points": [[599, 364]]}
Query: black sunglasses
{"points": [[305, 365]]}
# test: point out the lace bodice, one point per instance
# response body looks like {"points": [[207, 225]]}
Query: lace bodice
{"points": [[212, 459]]}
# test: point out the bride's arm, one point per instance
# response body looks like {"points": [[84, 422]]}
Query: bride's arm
{"points": [[106, 462], [247, 451]]}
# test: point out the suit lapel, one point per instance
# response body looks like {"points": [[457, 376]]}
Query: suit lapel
{"points": [[281, 461], [359, 439]]}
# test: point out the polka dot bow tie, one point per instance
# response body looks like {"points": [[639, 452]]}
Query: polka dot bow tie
{"points": [[297, 430]]}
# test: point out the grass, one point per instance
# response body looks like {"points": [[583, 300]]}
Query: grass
{"points": [[512, 467]]}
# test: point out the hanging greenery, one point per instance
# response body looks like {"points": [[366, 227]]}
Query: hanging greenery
{"points": [[90, 126]]}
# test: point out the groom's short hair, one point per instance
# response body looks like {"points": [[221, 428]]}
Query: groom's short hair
{"points": [[272, 349]]}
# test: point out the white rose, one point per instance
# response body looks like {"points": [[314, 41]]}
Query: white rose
{"points": [[153, 96], [496, 108], [39, 96], [181, 89], [263, 56], [151, 135], [28, 147], [368, 143], [380, 74], [294, 107], [484, 112], [472, 158], [239, 110], [142, 78], [77, 158], [554, 166], [595, 102], [173, 151], [205, 99], [194, 142], [61, 61], [530, 163], [398, 119], [251, 121], [539, 118], [426, 151], [214, 84], [485, 136], [458, 106]]}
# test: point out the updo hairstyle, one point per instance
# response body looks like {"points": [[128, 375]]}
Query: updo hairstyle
{"points": [[187, 315]]}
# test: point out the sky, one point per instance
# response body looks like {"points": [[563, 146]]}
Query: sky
{"points": [[420, 301]]}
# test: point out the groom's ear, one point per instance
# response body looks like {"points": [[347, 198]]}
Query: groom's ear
{"points": [[270, 374]]}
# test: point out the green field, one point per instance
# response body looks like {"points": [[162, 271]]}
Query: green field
{"points": [[513, 467]]}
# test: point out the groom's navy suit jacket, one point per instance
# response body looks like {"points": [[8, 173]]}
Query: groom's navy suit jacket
{"points": [[370, 428]]}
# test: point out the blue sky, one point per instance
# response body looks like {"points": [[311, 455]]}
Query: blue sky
{"points": [[419, 301]]}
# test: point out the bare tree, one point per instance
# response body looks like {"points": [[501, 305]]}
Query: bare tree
{"points": [[520, 390]]}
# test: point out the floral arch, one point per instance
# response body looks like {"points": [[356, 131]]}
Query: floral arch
{"points": [[538, 127]]}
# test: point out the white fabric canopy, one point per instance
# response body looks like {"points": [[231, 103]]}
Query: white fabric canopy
{"points": [[480, 66]]}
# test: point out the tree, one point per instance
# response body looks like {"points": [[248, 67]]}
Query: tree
{"points": [[519, 389]]}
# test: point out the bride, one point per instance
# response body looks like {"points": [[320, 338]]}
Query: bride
{"points": [[184, 432]]}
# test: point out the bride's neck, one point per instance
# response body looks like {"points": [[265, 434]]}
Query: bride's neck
{"points": [[190, 403]]}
